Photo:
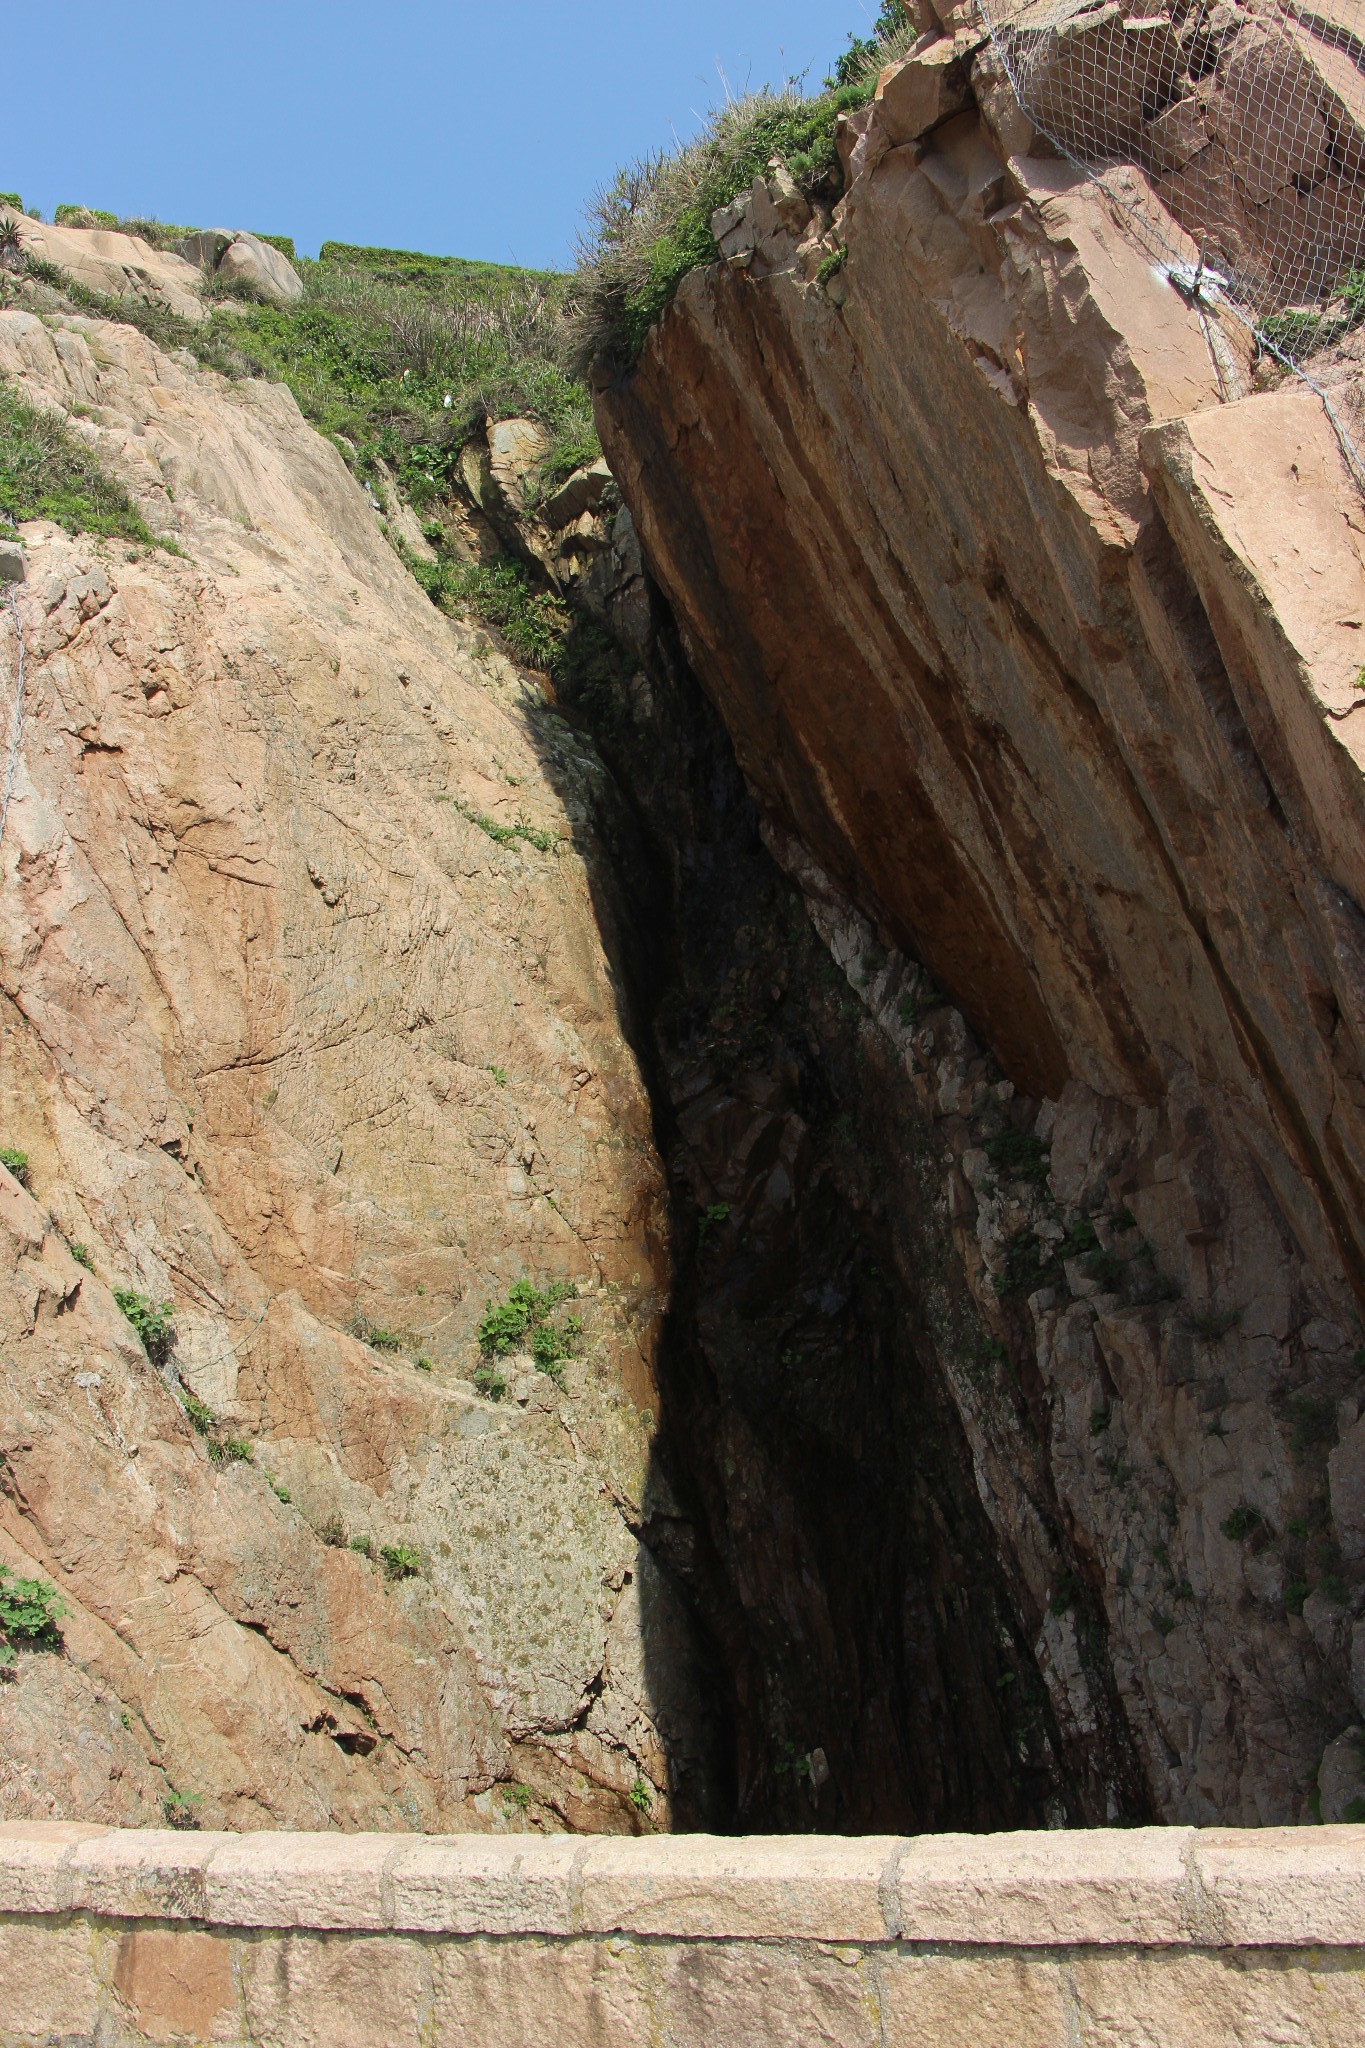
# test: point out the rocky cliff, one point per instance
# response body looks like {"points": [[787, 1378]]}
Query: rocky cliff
{"points": [[1038, 630], [312, 1030]]}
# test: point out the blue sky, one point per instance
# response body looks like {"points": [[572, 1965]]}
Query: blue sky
{"points": [[460, 128]]}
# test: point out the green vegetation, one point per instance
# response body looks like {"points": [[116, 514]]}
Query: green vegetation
{"points": [[1295, 1593], [15, 1163], [400, 1561], [82, 216], [641, 1796], [832, 265], [499, 1075], [45, 473], [281, 1493], [82, 1257], [180, 1809], [653, 223], [333, 1533], [517, 1798], [373, 1334], [1313, 1427], [524, 1320], [222, 1450], [717, 1213], [1019, 1155], [152, 1321], [1244, 1521], [506, 835], [533, 623], [29, 1612], [362, 1546]]}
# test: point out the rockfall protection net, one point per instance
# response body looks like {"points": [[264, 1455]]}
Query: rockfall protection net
{"points": [[1232, 135]]}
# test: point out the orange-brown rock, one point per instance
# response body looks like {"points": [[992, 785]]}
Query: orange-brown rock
{"points": [[1041, 642], [311, 1029]]}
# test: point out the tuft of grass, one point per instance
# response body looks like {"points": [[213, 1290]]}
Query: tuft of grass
{"points": [[180, 1810], [82, 1256], [517, 1798], [16, 1163], [400, 1561], [230, 1450], [153, 1322], [652, 224], [375, 1335], [489, 1382], [506, 835], [333, 1533], [533, 624], [45, 473], [709, 1219], [1019, 1155], [499, 1075]]}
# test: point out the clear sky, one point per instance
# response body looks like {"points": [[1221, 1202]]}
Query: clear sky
{"points": [[462, 127]]}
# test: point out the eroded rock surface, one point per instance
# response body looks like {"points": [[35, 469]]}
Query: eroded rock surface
{"points": [[310, 1027], [1039, 636]]}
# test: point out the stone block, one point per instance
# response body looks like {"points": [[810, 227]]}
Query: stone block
{"points": [[1185, 1999], [262, 269], [1037, 1889], [969, 2001], [143, 1873], [805, 1887], [1287, 1886], [12, 567], [177, 1983], [734, 1995], [35, 1864], [49, 1984], [279, 1880], [494, 1994], [486, 1884], [308, 1991]]}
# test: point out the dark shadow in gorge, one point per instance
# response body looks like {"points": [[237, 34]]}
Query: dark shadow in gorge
{"points": [[812, 1493]]}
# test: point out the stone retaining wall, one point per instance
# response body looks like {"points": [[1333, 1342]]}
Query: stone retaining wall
{"points": [[1153, 1936]]}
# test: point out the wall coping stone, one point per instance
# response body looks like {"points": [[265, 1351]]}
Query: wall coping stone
{"points": [[1150, 1887]]}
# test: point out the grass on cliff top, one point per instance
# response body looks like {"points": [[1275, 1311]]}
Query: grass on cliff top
{"points": [[652, 224], [393, 354], [45, 473]]}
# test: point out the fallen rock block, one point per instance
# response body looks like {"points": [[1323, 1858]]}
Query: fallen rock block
{"points": [[580, 493], [263, 270], [917, 92], [11, 562]]}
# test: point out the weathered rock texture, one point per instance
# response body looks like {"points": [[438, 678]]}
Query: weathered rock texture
{"points": [[294, 1039], [1045, 667]]}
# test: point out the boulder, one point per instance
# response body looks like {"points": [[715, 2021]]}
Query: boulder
{"points": [[582, 492], [249, 261], [917, 92], [11, 562], [205, 246], [116, 264], [516, 449]]}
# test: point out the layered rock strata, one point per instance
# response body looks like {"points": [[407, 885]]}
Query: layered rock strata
{"points": [[1038, 631]]}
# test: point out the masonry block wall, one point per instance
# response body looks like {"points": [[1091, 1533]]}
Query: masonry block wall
{"points": [[1151, 1936]]}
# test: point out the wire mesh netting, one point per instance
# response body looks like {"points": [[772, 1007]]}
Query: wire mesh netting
{"points": [[1232, 135]]}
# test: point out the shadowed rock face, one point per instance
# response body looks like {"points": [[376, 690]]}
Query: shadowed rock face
{"points": [[1043, 665]]}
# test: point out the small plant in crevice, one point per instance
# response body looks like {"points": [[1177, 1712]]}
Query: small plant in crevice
{"points": [[222, 1449], [710, 1219], [506, 835], [332, 1532], [400, 1561], [517, 1798], [1312, 1427], [375, 1335], [82, 1256], [1244, 1522], [525, 1320], [15, 1162], [1295, 1593], [153, 1321], [641, 1797], [30, 1610], [1066, 1594], [181, 1810]]}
